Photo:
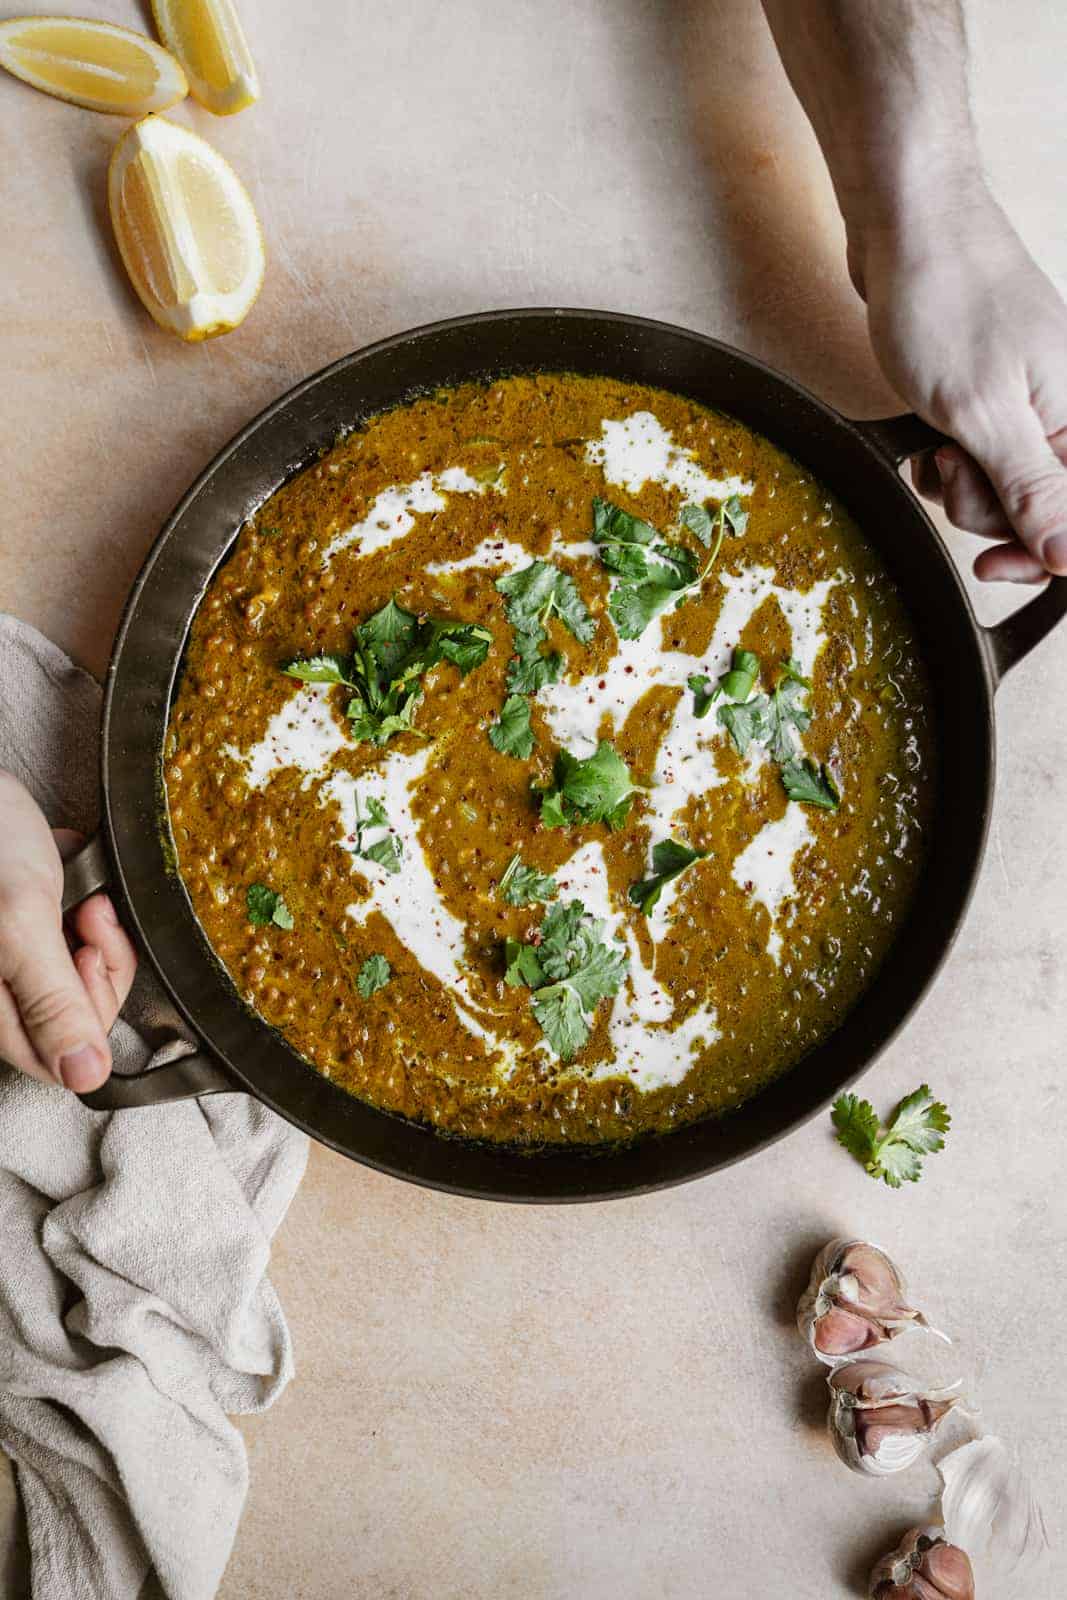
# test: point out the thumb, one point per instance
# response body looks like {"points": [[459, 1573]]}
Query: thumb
{"points": [[59, 1019], [1031, 484]]}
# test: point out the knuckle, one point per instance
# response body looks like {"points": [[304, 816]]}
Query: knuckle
{"points": [[1034, 496], [24, 906], [52, 1009]]}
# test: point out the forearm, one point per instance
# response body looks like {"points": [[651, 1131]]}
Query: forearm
{"points": [[884, 84]]}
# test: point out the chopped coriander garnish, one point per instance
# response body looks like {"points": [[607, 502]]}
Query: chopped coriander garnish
{"points": [[811, 785], [511, 734], [533, 595], [893, 1153], [391, 654], [266, 906], [772, 720], [523, 886], [387, 852], [652, 574], [701, 523], [373, 975], [569, 970], [597, 789], [669, 858], [704, 693]]}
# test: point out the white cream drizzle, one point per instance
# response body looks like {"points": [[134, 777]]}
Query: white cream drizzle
{"points": [[646, 1049], [490, 553], [765, 866], [640, 450], [305, 734], [393, 511]]}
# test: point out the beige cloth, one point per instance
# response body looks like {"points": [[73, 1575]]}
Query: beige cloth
{"points": [[136, 1315]]}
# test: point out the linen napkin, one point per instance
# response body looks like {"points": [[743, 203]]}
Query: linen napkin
{"points": [[136, 1315]]}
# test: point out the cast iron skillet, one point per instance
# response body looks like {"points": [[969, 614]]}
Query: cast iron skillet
{"points": [[858, 460]]}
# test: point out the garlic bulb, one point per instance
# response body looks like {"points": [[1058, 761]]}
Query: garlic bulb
{"points": [[880, 1420], [854, 1301], [924, 1566], [988, 1507]]}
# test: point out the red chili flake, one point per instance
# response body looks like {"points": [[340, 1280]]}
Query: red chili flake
{"points": [[603, 683], [628, 669]]}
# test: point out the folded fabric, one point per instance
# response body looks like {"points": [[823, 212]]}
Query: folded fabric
{"points": [[136, 1316]]}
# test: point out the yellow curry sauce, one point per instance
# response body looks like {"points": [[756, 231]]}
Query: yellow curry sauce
{"points": [[752, 954]]}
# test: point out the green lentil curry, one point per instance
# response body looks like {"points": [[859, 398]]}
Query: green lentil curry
{"points": [[359, 886]]}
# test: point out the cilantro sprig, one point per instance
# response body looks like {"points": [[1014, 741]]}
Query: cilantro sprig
{"points": [[521, 885], [392, 651], [653, 573], [266, 906], [669, 859], [386, 851], [569, 969], [533, 595], [596, 789], [894, 1153], [772, 720]]}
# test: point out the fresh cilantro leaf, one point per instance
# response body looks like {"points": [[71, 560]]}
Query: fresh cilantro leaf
{"points": [[739, 682], [669, 858], [582, 969], [540, 591], [920, 1122], [894, 1153], [532, 595], [522, 885], [857, 1125], [386, 852], [512, 735], [745, 723], [529, 670], [652, 574], [319, 669], [734, 514], [788, 709], [597, 789], [392, 651], [633, 605], [373, 975], [266, 906], [523, 967], [699, 521], [559, 1014], [704, 695], [811, 785]]}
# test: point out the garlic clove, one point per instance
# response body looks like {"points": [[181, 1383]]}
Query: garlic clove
{"points": [[855, 1300], [924, 1566], [880, 1420], [988, 1506]]}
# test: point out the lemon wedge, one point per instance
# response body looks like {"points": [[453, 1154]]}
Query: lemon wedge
{"points": [[186, 229], [209, 41], [93, 64]]}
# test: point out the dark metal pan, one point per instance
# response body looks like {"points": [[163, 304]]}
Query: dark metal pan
{"points": [[859, 460]]}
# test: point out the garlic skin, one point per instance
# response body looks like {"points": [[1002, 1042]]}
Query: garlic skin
{"points": [[855, 1300], [880, 1420], [924, 1566]]}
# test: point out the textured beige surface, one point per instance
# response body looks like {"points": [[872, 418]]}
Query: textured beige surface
{"points": [[605, 1402]]}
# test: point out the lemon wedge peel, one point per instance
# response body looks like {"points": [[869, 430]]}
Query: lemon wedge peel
{"points": [[208, 40], [198, 276], [97, 65]]}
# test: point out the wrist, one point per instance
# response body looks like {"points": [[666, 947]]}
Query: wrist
{"points": [[913, 205]]}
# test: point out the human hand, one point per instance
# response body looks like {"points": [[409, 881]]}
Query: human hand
{"points": [[973, 336], [59, 991]]}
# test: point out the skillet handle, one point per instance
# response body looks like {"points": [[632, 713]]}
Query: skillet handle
{"points": [[1007, 642], [187, 1077]]}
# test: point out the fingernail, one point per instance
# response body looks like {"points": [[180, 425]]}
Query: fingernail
{"points": [[946, 465], [1054, 553], [80, 1068], [108, 912]]}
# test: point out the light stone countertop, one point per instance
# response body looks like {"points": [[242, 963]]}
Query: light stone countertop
{"points": [[606, 1401]]}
